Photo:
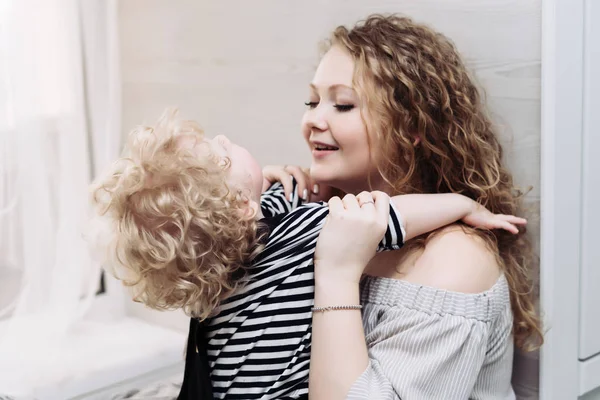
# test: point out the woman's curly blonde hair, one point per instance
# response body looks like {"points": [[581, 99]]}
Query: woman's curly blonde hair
{"points": [[177, 229], [415, 85]]}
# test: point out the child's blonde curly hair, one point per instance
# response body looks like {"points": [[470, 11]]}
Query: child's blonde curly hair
{"points": [[177, 230]]}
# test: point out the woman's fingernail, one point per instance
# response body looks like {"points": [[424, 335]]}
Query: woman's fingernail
{"points": [[316, 189], [305, 194]]}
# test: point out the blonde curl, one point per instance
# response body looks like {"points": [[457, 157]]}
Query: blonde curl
{"points": [[178, 235]]}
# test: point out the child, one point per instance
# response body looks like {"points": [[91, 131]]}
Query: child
{"points": [[190, 230]]}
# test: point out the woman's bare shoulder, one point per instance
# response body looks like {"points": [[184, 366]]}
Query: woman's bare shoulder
{"points": [[456, 260]]}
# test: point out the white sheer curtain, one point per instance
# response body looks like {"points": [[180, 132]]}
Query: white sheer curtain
{"points": [[59, 121]]}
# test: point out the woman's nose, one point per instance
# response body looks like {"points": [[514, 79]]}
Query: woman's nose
{"points": [[317, 118]]}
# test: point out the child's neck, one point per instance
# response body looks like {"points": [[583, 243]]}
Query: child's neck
{"points": [[259, 214]]}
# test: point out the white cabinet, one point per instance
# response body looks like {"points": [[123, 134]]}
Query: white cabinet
{"points": [[570, 234], [589, 314], [589, 345]]}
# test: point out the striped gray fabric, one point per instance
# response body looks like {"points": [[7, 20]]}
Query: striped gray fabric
{"points": [[427, 343]]}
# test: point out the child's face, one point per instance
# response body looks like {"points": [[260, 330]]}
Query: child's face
{"points": [[244, 171]]}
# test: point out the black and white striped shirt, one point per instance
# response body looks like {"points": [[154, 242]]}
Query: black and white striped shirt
{"points": [[258, 344]]}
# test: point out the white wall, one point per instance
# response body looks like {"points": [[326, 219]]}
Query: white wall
{"points": [[242, 68]]}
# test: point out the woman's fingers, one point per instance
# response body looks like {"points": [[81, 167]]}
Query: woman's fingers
{"points": [[351, 203], [365, 199], [336, 206]]}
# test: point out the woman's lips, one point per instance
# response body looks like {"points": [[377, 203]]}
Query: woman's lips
{"points": [[322, 153]]}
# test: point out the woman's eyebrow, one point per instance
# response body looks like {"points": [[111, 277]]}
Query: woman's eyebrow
{"points": [[333, 87]]}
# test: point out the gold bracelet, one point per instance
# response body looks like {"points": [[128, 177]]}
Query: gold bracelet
{"points": [[334, 308]]}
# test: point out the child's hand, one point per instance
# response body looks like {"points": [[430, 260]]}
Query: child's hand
{"points": [[348, 241], [481, 217], [307, 189]]}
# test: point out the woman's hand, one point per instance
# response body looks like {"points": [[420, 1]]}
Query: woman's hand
{"points": [[307, 189], [481, 217], [347, 242], [349, 239]]}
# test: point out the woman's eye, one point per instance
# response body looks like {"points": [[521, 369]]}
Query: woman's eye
{"points": [[344, 107], [311, 104]]}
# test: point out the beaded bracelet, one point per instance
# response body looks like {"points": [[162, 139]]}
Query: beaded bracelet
{"points": [[334, 308]]}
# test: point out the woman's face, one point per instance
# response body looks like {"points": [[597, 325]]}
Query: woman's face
{"points": [[334, 128]]}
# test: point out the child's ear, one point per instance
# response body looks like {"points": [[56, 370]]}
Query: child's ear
{"points": [[249, 209]]}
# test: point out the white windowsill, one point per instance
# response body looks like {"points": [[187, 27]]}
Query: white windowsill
{"points": [[108, 355], [139, 384]]}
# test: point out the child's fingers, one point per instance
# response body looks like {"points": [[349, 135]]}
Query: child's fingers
{"points": [[512, 228], [301, 179], [288, 185], [382, 205], [501, 224], [276, 173], [514, 220], [313, 187], [266, 184]]}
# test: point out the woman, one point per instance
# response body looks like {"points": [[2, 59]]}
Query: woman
{"points": [[393, 108]]}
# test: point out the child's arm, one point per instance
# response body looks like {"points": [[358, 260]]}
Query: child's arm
{"points": [[283, 193], [286, 175], [412, 215], [275, 201], [422, 213], [305, 188]]}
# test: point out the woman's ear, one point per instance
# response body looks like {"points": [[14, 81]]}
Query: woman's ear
{"points": [[416, 140]]}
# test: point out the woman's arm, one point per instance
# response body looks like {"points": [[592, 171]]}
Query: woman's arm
{"points": [[338, 349], [339, 356]]}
